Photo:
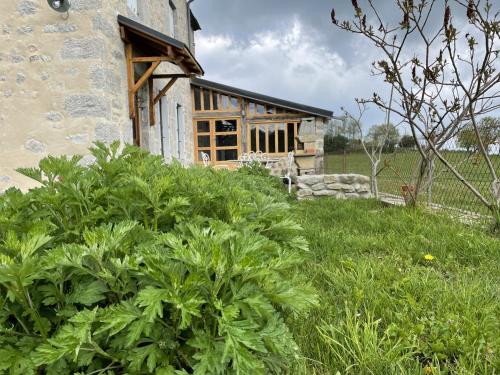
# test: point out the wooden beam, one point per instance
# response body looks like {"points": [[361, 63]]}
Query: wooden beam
{"points": [[167, 76], [130, 77], [152, 117], [165, 89], [145, 76], [123, 34], [150, 59]]}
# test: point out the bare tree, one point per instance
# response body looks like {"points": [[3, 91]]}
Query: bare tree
{"points": [[443, 77], [373, 143]]}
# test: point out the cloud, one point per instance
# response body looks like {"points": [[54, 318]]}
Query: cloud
{"points": [[290, 63]]}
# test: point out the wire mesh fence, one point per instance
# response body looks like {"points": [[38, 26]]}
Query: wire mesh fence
{"points": [[439, 188]]}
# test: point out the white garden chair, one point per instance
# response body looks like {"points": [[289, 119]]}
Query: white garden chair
{"points": [[243, 159], [205, 158], [289, 171]]}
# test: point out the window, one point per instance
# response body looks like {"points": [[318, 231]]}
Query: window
{"points": [[210, 100], [197, 99], [270, 110], [274, 138], [224, 126], [206, 100], [251, 108], [225, 101], [220, 139], [216, 98], [172, 18], [132, 4]]}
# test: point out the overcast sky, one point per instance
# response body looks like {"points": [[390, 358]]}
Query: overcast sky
{"points": [[288, 49]]}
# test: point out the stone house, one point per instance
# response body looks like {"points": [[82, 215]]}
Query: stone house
{"points": [[106, 70], [126, 70]]}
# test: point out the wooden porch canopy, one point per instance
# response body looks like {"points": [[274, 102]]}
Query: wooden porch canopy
{"points": [[146, 45]]}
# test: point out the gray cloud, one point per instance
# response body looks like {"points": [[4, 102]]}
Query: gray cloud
{"points": [[290, 49]]}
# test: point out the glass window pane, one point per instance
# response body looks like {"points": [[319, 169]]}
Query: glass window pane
{"points": [[253, 138], [216, 98], [281, 137], [291, 137], [270, 110], [225, 101], [197, 99], [261, 109], [226, 155], [279, 110], [271, 135], [203, 126], [206, 100], [251, 108], [262, 138], [206, 152], [234, 103], [204, 141], [226, 126], [226, 140]]}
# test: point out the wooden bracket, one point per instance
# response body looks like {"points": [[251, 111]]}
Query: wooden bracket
{"points": [[164, 90], [131, 80], [148, 76], [150, 59], [145, 76], [152, 115], [167, 76]]}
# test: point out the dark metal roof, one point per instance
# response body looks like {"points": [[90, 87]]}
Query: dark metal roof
{"points": [[160, 39], [261, 98]]}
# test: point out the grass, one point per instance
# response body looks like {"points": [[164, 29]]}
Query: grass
{"points": [[447, 190], [387, 310]]}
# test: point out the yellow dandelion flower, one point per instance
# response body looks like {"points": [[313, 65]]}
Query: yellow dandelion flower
{"points": [[429, 257], [427, 370]]}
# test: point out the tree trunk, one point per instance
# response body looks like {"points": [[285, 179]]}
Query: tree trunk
{"points": [[374, 184], [430, 179]]}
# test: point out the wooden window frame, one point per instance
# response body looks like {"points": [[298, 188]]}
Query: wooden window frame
{"points": [[230, 108], [286, 114], [213, 139], [266, 124]]}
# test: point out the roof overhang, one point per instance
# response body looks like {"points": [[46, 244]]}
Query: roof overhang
{"points": [[144, 45], [153, 42], [262, 98]]}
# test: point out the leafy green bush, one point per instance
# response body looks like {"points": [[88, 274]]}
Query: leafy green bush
{"points": [[131, 266]]}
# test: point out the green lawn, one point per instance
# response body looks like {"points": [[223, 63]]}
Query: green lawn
{"points": [[447, 190], [384, 308]]}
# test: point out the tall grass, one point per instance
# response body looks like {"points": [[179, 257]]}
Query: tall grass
{"points": [[385, 308]]}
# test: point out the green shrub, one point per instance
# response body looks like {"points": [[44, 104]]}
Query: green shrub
{"points": [[131, 266]]}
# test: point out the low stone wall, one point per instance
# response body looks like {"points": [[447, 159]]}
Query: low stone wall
{"points": [[340, 186]]}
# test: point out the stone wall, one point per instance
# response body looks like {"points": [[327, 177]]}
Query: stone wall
{"points": [[340, 186], [63, 82]]}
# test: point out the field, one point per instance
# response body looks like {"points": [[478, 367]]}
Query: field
{"points": [[385, 309], [446, 189]]}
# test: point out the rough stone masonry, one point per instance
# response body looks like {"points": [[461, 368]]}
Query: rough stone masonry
{"points": [[340, 186]]}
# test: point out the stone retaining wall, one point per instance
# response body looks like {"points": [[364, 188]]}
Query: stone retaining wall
{"points": [[340, 186]]}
